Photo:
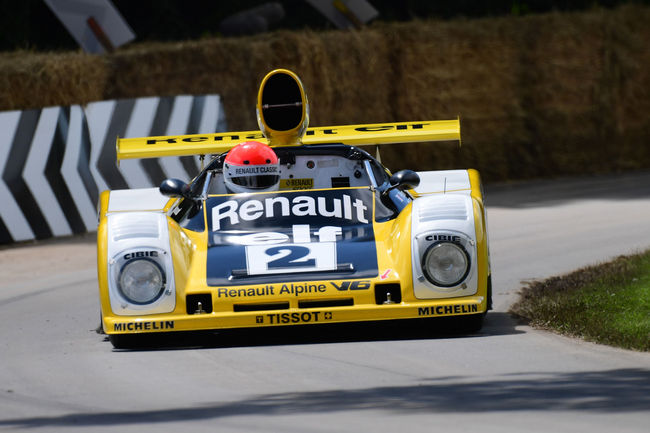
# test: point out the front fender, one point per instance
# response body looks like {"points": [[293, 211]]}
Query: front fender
{"points": [[133, 226], [448, 207]]}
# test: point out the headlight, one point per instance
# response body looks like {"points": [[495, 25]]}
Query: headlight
{"points": [[141, 281], [445, 264]]}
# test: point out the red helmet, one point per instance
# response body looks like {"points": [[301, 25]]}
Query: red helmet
{"points": [[251, 167]]}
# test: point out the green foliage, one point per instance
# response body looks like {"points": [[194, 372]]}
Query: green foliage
{"points": [[608, 304]]}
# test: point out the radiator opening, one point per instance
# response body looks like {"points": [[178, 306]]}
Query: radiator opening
{"points": [[323, 303], [268, 306]]}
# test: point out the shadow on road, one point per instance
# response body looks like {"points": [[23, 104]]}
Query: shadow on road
{"points": [[559, 191], [610, 391]]}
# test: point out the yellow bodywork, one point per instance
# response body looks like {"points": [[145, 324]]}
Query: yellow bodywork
{"points": [[354, 135], [393, 246], [283, 118]]}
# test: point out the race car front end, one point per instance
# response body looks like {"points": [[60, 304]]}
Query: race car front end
{"points": [[293, 258]]}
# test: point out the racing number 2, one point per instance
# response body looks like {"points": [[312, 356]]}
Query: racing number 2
{"points": [[289, 257], [306, 257]]}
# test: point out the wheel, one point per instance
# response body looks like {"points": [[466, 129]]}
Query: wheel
{"points": [[125, 341], [100, 328], [489, 292], [461, 325], [471, 323]]}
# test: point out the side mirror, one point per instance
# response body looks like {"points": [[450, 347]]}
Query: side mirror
{"points": [[404, 179], [174, 188]]}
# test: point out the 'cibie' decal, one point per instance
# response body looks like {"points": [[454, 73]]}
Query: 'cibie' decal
{"points": [[291, 236]]}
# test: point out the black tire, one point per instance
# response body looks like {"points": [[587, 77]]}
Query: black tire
{"points": [[489, 292], [100, 328], [461, 325], [471, 323], [126, 341], [457, 325]]}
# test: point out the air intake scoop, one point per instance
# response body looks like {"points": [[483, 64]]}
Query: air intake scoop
{"points": [[282, 108]]}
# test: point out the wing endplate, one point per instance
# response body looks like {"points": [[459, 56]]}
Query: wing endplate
{"points": [[355, 135]]}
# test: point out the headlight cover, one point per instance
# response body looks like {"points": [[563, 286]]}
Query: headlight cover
{"points": [[446, 264], [141, 281]]}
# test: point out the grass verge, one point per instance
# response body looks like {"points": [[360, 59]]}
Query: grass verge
{"points": [[607, 304]]}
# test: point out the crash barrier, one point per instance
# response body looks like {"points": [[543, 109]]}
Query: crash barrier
{"points": [[55, 161]]}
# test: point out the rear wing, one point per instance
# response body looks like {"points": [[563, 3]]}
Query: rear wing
{"points": [[356, 135]]}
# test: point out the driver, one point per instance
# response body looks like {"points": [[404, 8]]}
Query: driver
{"points": [[251, 167]]}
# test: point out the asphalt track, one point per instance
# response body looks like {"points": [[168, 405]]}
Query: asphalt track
{"points": [[57, 374]]}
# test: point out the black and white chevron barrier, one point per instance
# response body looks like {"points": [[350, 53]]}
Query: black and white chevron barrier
{"points": [[55, 161]]}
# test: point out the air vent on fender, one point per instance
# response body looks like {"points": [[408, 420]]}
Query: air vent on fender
{"points": [[134, 229], [447, 207]]}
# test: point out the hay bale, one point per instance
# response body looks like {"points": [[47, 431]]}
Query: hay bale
{"points": [[538, 96]]}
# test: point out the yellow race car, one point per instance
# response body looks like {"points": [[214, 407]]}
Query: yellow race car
{"points": [[337, 239]]}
